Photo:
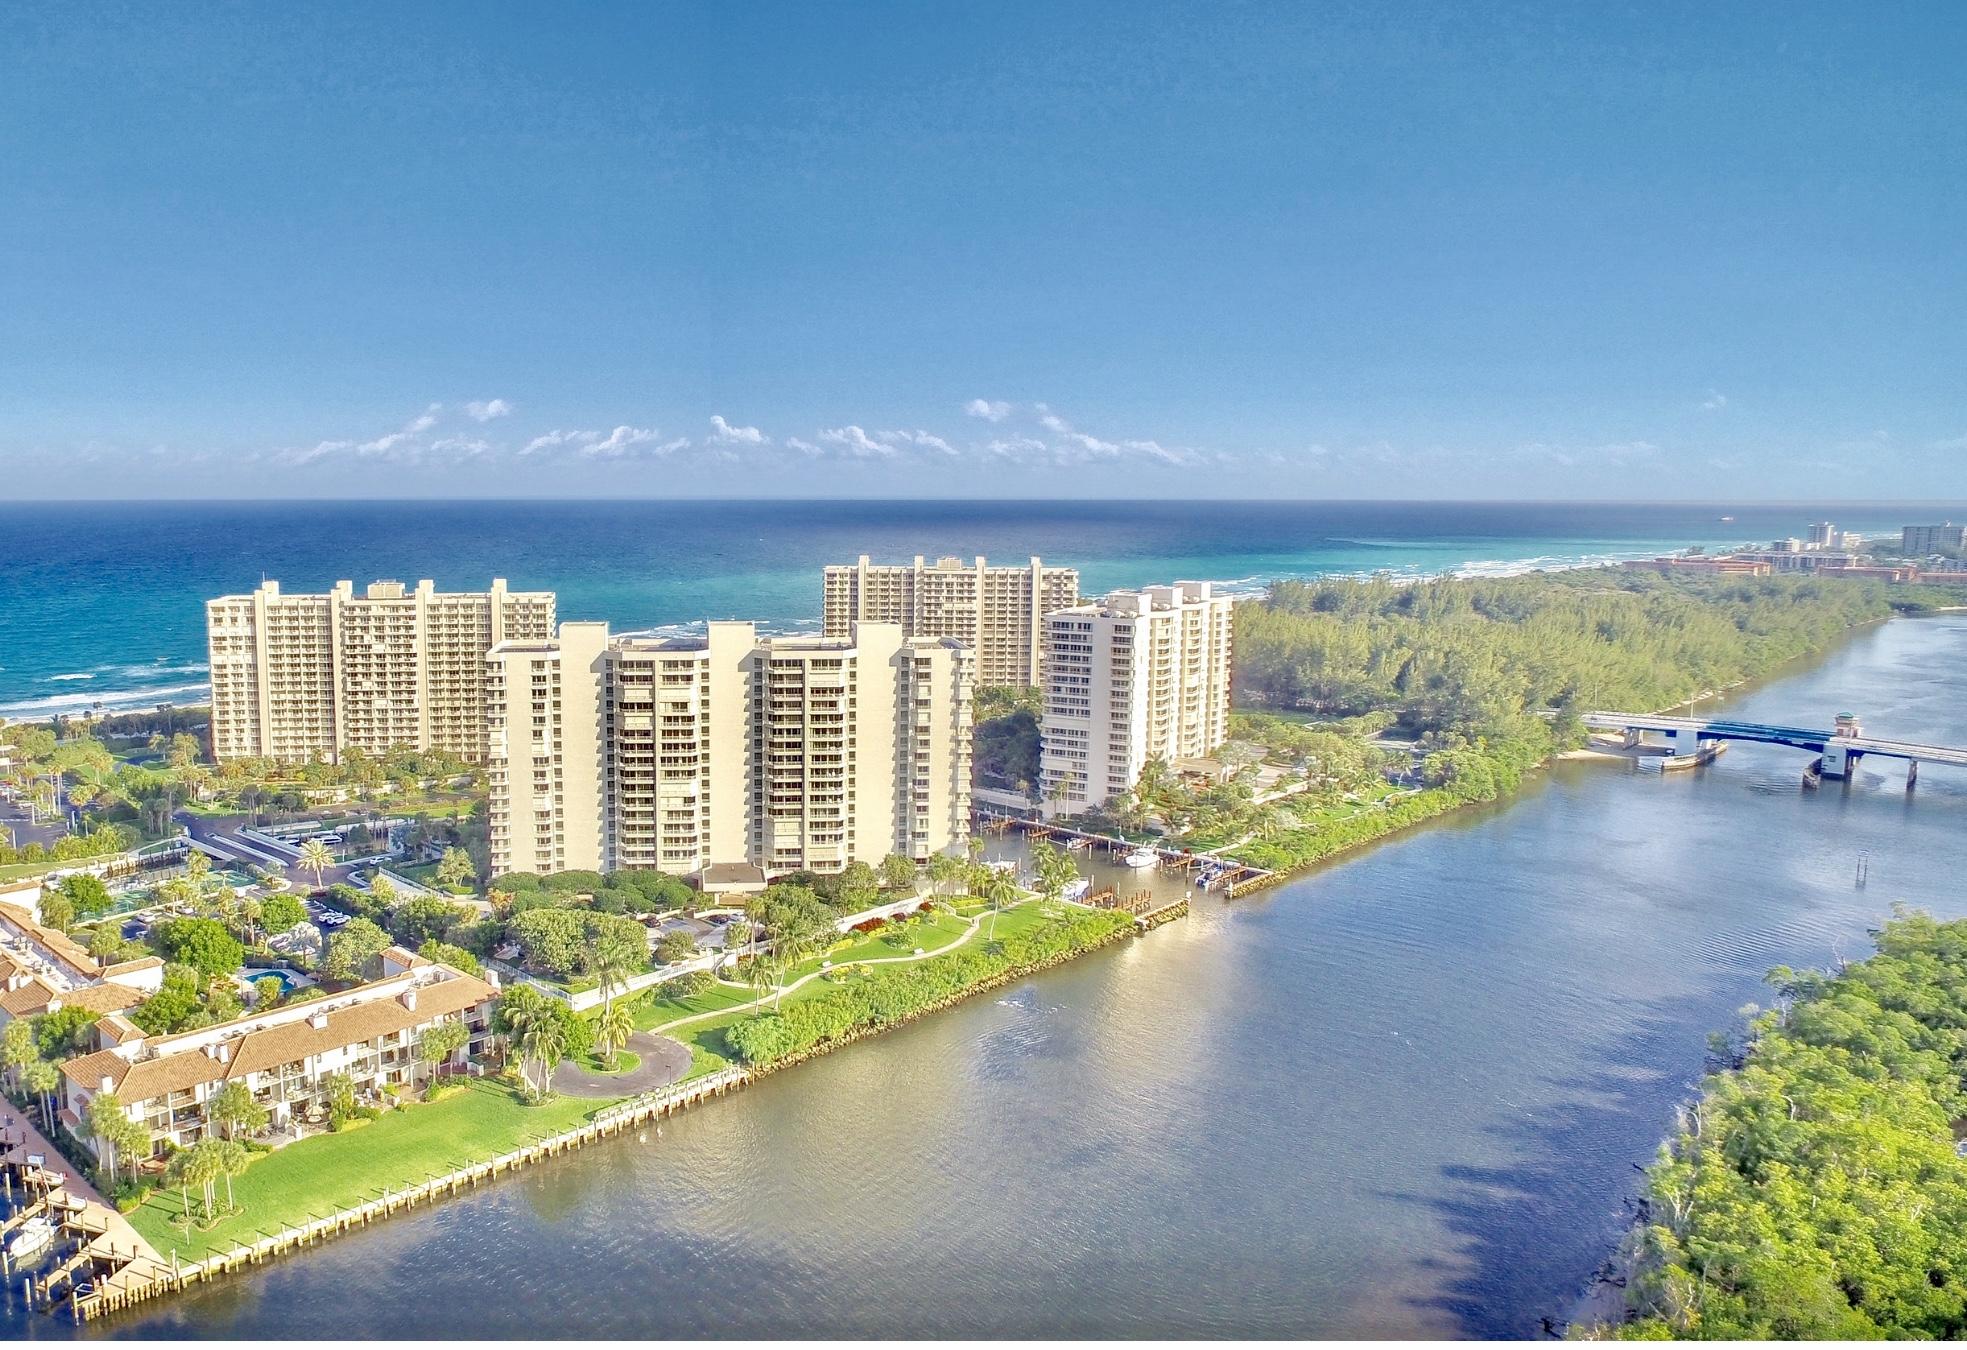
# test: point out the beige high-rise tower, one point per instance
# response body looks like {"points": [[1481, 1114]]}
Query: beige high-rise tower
{"points": [[298, 675], [1138, 676], [998, 611], [761, 755]]}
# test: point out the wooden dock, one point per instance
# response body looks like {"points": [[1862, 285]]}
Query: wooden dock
{"points": [[1235, 878]]}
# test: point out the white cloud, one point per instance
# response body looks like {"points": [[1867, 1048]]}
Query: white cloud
{"points": [[405, 443], [556, 438], [622, 441], [723, 433], [803, 447], [1956, 443], [487, 409], [990, 409], [920, 438], [1715, 401], [857, 442]]}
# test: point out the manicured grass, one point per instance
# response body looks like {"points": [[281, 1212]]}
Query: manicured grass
{"points": [[334, 1171], [654, 1012], [706, 1038]]}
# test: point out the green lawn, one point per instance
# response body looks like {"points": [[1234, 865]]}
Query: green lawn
{"points": [[334, 1171], [653, 1012], [706, 1038]]}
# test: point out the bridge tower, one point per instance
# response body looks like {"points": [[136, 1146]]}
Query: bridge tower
{"points": [[1839, 761]]}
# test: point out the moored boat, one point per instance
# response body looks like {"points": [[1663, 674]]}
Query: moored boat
{"points": [[30, 1238], [1142, 857]]}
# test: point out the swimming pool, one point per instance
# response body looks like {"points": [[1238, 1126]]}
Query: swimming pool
{"points": [[289, 982]]}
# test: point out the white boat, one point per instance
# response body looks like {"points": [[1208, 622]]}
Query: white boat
{"points": [[1142, 857], [1077, 889], [1078, 844], [30, 1238]]}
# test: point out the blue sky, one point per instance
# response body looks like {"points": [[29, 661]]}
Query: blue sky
{"points": [[1304, 250]]}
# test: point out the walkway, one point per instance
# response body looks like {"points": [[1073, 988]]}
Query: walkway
{"points": [[779, 991], [663, 1062]]}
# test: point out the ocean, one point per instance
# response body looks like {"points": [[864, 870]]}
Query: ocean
{"points": [[102, 603]]}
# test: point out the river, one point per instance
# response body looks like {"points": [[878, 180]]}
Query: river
{"points": [[1402, 1095]]}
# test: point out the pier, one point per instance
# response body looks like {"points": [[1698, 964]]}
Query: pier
{"points": [[1210, 872]]}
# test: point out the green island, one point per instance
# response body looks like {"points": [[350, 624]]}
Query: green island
{"points": [[1817, 1189]]}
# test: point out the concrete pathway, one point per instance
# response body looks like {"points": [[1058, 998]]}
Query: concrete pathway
{"points": [[663, 1062], [778, 990]]}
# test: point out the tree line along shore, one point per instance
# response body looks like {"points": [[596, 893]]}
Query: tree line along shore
{"points": [[1365, 707]]}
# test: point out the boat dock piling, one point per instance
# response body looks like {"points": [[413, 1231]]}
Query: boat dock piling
{"points": [[1211, 872]]}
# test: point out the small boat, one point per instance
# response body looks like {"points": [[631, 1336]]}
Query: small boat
{"points": [[1142, 857], [1008, 865], [1078, 844], [1077, 889], [30, 1238]]}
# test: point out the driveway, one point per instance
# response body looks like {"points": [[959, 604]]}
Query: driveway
{"points": [[663, 1062]]}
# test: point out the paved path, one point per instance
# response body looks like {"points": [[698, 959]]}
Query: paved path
{"points": [[663, 1062], [778, 990]]}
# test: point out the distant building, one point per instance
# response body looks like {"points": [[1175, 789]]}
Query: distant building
{"points": [[1919, 541], [1787, 546], [1138, 676], [294, 676], [1850, 541], [732, 757], [1697, 565], [1823, 534], [999, 611]]}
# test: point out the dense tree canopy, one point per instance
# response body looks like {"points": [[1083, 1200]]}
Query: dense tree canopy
{"points": [[1816, 1189]]}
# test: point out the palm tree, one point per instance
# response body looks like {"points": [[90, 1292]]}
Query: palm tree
{"points": [[230, 1159], [612, 1030], [196, 866], [944, 869], [1000, 890], [546, 1041], [42, 1079], [315, 858]]}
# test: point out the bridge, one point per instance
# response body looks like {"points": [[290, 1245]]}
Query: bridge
{"points": [[1839, 748]]}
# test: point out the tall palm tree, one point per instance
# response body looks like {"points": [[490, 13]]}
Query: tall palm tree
{"points": [[1000, 890], [42, 1079], [315, 858], [546, 1041], [612, 1029]]}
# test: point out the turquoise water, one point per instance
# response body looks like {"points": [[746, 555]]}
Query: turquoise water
{"points": [[104, 602]]}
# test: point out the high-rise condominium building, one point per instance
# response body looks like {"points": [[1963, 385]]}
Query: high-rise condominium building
{"points": [[1919, 541], [1138, 676], [731, 757], [298, 675], [999, 611]]}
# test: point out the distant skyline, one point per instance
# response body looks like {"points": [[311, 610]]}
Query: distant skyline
{"points": [[1668, 252]]}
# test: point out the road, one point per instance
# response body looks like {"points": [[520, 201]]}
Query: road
{"points": [[216, 831]]}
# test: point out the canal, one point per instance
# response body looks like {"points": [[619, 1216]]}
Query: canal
{"points": [[1400, 1096]]}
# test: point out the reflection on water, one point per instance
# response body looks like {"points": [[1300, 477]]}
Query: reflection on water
{"points": [[1400, 1096]]}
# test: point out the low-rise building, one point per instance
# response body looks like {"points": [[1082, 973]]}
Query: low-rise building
{"points": [[1699, 565], [43, 970], [284, 1056]]}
